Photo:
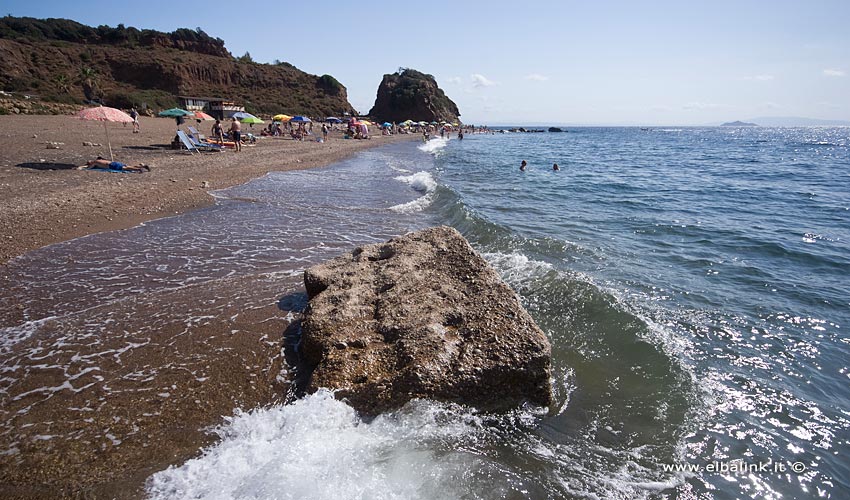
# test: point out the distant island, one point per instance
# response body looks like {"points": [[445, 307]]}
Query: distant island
{"points": [[739, 124]]}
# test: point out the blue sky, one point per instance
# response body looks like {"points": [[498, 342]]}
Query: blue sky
{"points": [[571, 62]]}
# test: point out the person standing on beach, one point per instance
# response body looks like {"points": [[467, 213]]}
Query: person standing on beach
{"points": [[218, 131], [135, 116], [236, 133], [325, 132]]}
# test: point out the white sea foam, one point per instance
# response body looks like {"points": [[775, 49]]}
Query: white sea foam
{"points": [[318, 448], [416, 205], [434, 145], [11, 335], [516, 267], [422, 182]]}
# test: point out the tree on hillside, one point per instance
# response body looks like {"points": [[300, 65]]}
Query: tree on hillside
{"points": [[89, 81], [62, 83]]}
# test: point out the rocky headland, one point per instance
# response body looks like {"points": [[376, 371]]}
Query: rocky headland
{"points": [[421, 316], [411, 95]]}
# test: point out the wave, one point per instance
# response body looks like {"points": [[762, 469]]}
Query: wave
{"points": [[434, 145], [424, 450], [420, 181]]}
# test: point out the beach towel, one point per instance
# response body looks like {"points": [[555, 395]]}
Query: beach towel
{"points": [[105, 169]]}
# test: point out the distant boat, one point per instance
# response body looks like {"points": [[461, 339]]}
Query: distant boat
{"points": [[645, 129]]}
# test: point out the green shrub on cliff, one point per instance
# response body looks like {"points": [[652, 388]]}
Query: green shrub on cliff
{"points": [[66, 30]]}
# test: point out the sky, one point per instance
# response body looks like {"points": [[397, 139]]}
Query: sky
{"points": [[538, 62]]}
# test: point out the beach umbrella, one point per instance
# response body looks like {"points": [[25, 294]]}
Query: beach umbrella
{"points": [[387, 124], [241, 115], [366, 122], [333, 119], [281, 118], [434, 123], [174, 113], [408, 122], [300, 119], [200, 115], [104, 114], [251, 119]]}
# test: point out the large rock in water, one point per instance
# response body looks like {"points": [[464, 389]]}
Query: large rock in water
{"points": [[421, 316], [411, 95]]}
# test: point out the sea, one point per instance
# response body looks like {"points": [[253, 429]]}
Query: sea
{"points": [[694, 284]]}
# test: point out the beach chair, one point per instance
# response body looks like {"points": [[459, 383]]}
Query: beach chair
{"points": [[187, 143], [197, 134], [204, 145], [192, 147]]}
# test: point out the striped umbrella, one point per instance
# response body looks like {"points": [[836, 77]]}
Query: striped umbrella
{"points": [[105, 114]]}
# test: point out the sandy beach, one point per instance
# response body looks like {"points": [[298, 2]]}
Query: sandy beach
{"points": [[147, 379], [43, 200]]}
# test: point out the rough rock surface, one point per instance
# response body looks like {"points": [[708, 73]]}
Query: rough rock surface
{"points": [[411, 95], [421, 316]]}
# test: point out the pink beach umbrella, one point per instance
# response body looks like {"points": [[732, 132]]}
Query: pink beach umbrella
{"points": [[104, 114]]}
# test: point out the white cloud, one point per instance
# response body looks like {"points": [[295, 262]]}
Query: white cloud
{"points": [[536, 77], [700, 105], [759, 78], [455, 80], [833, 72], [481, 81]]}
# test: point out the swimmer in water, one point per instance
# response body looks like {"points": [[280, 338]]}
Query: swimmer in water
{"points": [[522, 166], [556, 167]]}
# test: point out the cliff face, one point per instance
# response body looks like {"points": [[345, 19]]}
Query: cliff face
{"points": [[411, 95], [154, 68]]}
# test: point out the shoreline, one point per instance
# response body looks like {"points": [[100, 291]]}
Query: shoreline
{"points": [[148, 386], [44, 201]]}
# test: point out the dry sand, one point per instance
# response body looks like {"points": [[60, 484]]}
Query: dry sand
{"points": [[43, 200]]}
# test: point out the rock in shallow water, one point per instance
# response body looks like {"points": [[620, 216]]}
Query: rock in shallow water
{"points": [[421, 316]]}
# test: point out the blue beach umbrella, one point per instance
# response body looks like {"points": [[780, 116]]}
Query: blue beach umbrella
{"points": [[333, 119], [300, 119], [175, 112]]}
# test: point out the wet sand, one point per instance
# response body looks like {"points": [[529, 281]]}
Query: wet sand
{"points": [[92, 404], [43, 201]]}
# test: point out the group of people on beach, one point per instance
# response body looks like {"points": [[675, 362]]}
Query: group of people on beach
{"points": [[234, 133], [524, 165]]}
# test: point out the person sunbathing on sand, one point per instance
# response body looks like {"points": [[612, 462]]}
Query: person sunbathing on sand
{"points": [[114, 165]]}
